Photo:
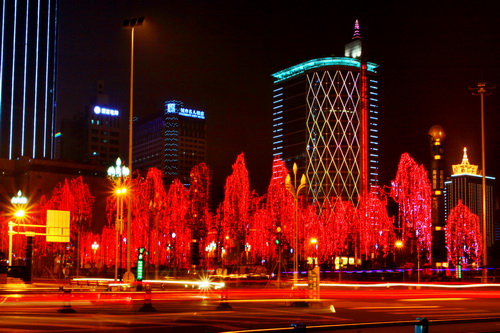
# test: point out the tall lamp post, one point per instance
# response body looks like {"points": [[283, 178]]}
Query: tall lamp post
{"points": [[19, 202], [481, 89], [131, 23], [118, 174], [295, 191]]}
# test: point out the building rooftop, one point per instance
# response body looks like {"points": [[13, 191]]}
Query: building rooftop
{"points": [[321, 62]]}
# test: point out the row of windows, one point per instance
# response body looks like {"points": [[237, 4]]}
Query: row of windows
{"points": [[112, 142], [113, 133], [200, 141], [198, 146], [102, 155], [108, 123]]}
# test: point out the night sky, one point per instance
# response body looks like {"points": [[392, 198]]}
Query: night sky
{"points": [[218, 56]]}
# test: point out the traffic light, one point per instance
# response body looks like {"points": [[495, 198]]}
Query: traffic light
{"points": [[459, 268], [277, 241], [140, 264]]}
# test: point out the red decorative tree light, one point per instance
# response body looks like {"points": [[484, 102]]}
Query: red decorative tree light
{"points": [[463, 236]]}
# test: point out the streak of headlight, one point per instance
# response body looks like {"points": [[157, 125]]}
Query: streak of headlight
{"points": [[434, 299], [200, 283], [387, 285], [393, 307]]}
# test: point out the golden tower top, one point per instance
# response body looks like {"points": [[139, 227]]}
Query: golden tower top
{"points": [[465, 167]]}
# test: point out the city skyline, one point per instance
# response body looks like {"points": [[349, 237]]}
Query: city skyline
{"points": [[220, 59]]}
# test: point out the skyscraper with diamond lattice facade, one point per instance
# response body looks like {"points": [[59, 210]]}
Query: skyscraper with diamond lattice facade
{"points": [[325, 118]]}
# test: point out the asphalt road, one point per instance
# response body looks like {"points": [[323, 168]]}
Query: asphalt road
{"points": [[191, 310]]}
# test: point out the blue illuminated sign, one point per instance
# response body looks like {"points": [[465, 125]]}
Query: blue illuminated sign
{"points": [[106, 111], [171, 108]]}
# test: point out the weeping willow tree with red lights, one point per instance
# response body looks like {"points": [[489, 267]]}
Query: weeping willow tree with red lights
{"points": [[374, 226], [149, 216], [109, 242], [81, 212], [107, 246], [73, 196], [272, 223], [310, 233], [90, 257], [463, 236], [176, 230], [199, 194], [280, 204], [336, 222], [143, 213], [262, 236], [214, 241], [412, 191], [237, 209], [147, 212]]}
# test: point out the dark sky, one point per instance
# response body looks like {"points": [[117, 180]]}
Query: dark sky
{"points": [[218, 56]]}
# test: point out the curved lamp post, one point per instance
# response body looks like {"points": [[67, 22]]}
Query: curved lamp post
{"points": [[295, 191]]}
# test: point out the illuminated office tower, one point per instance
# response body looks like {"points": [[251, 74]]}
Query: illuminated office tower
{"points": [[173, 141], [325, 117], [94, 135], [466, 184], [28, 33]]}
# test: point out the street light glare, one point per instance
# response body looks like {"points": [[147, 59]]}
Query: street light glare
{"points": [[121, 190], [19, 213]]}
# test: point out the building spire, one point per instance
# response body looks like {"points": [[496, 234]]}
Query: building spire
{"points": [[465, 159], [465, 167], [356, 34]]}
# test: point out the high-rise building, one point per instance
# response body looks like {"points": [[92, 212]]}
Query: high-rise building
{"points": [[94, 135], [466, 185], [325, 117], [173, 141], [27, 78]]}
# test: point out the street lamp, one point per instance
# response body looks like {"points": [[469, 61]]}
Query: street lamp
{"points": [[19, 202], [95, 246], [481, 89], [131, 23], [295, 191], [314, 244], [118, 174]]}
